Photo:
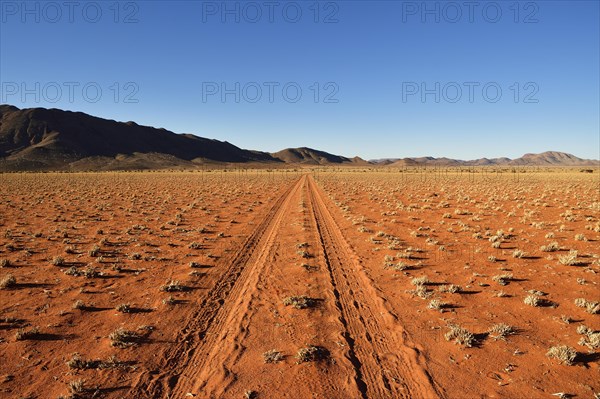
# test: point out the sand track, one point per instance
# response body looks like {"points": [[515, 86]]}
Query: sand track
{"points": [[384, 362], [183, 365]]}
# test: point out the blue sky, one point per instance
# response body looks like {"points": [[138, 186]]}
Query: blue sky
{"points": [[377, 78]]}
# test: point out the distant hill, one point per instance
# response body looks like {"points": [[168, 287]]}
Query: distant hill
{"points": [[308, 156], [53, 139], [548, 158], [40, 138]]}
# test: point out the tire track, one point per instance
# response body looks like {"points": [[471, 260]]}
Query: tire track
{"points": [[199, 337], [385, 363]]}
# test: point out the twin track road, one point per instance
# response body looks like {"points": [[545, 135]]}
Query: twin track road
{"points": [[378, 357]]}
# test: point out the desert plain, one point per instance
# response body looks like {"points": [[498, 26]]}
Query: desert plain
{"points": [[300, 283]]}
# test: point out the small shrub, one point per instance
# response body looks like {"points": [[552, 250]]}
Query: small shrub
{"points": [[272, 356], [58, 261], [517, 253], [564, 354], [91, 272], [460, 336], [124, 308], [452, 288], [22, 334], [591, 340], [589, 306], [8, 281], [78, 363], [172, 286], [552, 247], [5, 263], [570, 259], [169, 301], [77, 387], [195, 245], [436, 304], [503, 279], [299, 302], [312, 353], [79, 305], [122, 338], [532, 300], [400, 266], [420, 280], [501, 331], [250, 394], [94, 252]]}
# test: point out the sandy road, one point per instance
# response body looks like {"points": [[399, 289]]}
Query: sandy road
{"points": [[384, 362], [387, 365]]}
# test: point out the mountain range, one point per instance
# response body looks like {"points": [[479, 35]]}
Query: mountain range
{"points": [[53, 139]]}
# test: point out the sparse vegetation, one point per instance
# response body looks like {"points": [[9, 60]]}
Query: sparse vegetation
{"points": [[122, 338], [570, 259], [564, 354], [460, 336], [272, 356], [312, 353], [589, 306], [299, 302], [501, 331], [8, 281], [172, 286]]}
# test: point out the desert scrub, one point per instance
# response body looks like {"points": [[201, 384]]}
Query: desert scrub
{"points": [[517, 253], [91, 272], [552, 247], [195, 245], [170, 301], [590, 338], [124, 308], [564, 354], [570, 259], [22, 334], [503, 279], [420, 281], [272, 356], [58, 261], [172, 286], [311, 353], [77, 388], [501, 331], [532, 300], [436, 304], [589, 306], [94, 252], [460, 336], [8, 281], [122, 338], [452, 288], [299, 302], [5, 263], [400, 266], [79, 305], [78, 363], [304, 254]]}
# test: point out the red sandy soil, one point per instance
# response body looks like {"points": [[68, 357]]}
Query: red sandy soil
{"points": [[257, 238]]}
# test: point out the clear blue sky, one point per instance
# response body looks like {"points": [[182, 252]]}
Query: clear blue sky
{"points": [[373, 57]]}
